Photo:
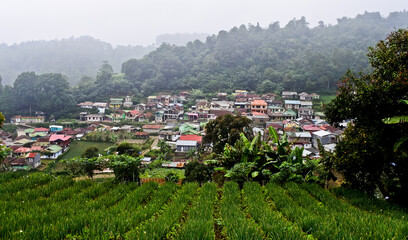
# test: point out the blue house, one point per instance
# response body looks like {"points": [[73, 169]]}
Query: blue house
{"points": [[56, 128]]}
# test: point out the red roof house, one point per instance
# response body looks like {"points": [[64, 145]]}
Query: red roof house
{"points": [[190, 137]]}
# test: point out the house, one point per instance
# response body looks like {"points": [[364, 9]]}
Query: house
{"points": [[52, 152], [128, 102], [36, 135], [15, 164], [101, 106], [20, 119], [141, 135], [41, 129], [33, 160], [287, 94], [258, 119], [22, 151], [56, 128], [275, 109], [306, 112], [222, 96], [242, 105], [94, 118], [188, 128], [311, 128], [222, 105], [269, 96], [324, 137], [315, 96], [88, 105], [153, 99], [190, 137], [302, 139], [304, 96], [116, 103], [292, 104], [286, 115], [185, 146], [152, 128], [319, 116], [29, 131], [240, 92], [259, 106], [169, 135], [306, 104], [60, 140]]}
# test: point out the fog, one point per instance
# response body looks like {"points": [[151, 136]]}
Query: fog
{"points": [[130, 22]]}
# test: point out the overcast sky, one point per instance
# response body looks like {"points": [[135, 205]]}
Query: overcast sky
{"points": [[138, 22]]}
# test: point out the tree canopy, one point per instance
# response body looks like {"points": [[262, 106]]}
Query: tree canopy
{"points": [[366, 154], [226, 129]]}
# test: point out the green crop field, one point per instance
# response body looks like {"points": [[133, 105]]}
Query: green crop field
{"points": [[78, 147], [40, 206]]}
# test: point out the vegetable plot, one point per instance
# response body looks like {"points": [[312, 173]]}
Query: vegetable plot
{"points": [[46, 207]]}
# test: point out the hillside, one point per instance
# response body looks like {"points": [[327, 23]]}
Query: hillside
{"points": [[73, 57], [293, 57], [127, 211]]}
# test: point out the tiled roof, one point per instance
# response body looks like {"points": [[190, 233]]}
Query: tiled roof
{"points": [[152, 126], [191, 138], [61, 137]]}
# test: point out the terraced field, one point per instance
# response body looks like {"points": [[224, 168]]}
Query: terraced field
{"points": [[40, 206]]}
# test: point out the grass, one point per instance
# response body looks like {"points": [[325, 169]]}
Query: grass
{"points": [[162, 172], [77, 148], [324, 98]]}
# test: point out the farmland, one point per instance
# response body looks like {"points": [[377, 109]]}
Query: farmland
{"points": [[40, 206], [78, 147]]}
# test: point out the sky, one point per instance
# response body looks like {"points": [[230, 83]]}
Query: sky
{"points": [[138, 22]]}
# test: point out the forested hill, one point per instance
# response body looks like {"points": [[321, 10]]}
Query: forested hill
{"points": [[293, 57], [73, 57]]}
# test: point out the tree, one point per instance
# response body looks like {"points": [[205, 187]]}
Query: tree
{"points": [[128, 149], [125, 168], [198, 172], [365, 155], [226, 129], [2, 119], [90, 152]]}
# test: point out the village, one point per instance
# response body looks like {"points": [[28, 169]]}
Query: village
{"points": [[178, 120]]}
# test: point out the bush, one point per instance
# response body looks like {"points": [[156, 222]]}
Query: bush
{"points": [[172, 177]]}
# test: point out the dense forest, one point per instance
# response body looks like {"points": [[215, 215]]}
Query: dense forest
{"points": [[293, 57], [73, 57]]}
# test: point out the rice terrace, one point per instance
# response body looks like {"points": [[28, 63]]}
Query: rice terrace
{"points": [[40, 206]]}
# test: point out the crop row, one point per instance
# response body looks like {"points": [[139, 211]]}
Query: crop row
{"points": [[28, 181], [39, 216], [237, 225], [328, 218], [161, 224], [273, 224], [130, 212], [200, 223]]}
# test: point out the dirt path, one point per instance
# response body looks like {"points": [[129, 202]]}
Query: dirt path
{"points": [[153, 146]]}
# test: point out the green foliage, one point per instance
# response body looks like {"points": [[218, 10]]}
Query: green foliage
{"points": [[90, 152], [125, 168], [273, 159], [128, 149], [77, 148], [198, 172], [41, 206], [172, 177], [226, 129], [2, 119], [365, 155], [162, 172]]}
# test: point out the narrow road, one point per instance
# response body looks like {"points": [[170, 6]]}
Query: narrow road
{"points": [[153, 146]]}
